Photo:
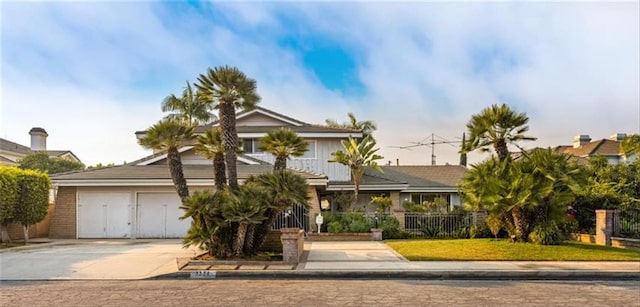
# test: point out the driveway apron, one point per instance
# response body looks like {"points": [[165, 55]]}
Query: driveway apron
{"points": [[352, 256], [93, 259]]}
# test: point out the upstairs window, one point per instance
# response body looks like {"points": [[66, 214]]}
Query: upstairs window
{"points": [[251, 146], [311, 151]]}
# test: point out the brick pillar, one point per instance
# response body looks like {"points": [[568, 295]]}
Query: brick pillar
{"points": [[292, 244], [604, 226], [400, 217], [314, 208], [376, 234]]}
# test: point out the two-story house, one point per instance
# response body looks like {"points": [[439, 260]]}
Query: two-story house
{"points": [[138, 200], [11, 153]]}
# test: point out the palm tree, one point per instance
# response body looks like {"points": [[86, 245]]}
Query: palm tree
{"points": [[497, 126], [284, 189], [191, 108], [208, 226], [210, 146], [558, 179], [228, 88], [631, 145], [170, 135], [367, 127], [358, 156], [247, 207], [283, 143]]}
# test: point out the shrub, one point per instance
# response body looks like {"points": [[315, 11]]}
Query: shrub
{"points": [[462, 232], [430, 232], [495, 224], [391, 228], [413, 207], [479, 231], [546, 234], [359, 226], [335, 227]]}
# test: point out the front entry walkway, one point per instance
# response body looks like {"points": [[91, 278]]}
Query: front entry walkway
{"points": [[351, 255]]}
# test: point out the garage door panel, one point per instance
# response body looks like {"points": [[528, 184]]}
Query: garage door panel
{"points": [[104, 215], [158, 216]]}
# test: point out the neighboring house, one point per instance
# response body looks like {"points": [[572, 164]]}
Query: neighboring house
{"points": [[11, 153], [583, 148], [138, 200]]}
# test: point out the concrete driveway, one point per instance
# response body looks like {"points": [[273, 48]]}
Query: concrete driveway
{"points": [[92, 259]]}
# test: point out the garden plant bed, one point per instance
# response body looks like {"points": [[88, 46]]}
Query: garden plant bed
{"points": [[264, 261], [503, 250]]}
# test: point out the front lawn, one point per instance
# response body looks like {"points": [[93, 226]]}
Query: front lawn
{"points": [[491, 250]]}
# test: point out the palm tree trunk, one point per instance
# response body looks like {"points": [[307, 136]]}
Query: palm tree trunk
{"points": [[175, 168], [501, 150], [519, 223], [280, 164], [248, 240], [242, 232], [219, 172], [229, 141], [261, 230], [356, 190]]}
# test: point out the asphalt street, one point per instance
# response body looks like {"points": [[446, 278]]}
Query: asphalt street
{"points": [[318, 293]]}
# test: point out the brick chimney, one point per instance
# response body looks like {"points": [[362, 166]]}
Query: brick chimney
{"points": [[38, 139], [618, 137], [580, 140]]}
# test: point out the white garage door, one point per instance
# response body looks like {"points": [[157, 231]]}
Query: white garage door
{"points": [[159, 216], [104, 215]]}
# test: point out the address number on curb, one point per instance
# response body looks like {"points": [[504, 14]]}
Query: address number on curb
{"points": [[203, 275]]}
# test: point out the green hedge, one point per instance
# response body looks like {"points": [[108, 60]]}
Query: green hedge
{"points": [[24, 197], [8, 193]]}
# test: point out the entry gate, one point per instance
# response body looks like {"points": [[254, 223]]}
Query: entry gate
{"points": [[296, 217]]}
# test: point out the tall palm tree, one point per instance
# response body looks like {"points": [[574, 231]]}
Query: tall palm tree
{"points": [[228, 88], [169, 135], [191, 108], [283, 143], [358, 156], [497, 126], [284, 189], [367, 126], [210, 146]]}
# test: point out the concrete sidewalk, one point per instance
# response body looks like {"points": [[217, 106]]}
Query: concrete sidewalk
{"points": [[377, 256]]}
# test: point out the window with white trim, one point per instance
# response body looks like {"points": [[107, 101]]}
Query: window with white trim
{"points": [[311, 150], [251, 146]]}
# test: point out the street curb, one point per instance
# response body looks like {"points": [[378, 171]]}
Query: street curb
{"points": [[410, 275]]}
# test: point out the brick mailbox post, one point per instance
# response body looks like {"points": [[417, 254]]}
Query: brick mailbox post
{"points": [[292, 244]]}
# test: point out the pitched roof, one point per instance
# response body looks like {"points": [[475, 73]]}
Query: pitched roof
{"points": [[411, 178], [7, 145], [602, 147], [271, 114], [5, 160], [298, 126], [426, 175], [124, 174]]}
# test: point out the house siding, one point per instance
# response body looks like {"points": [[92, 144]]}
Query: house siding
{"points": [[63, 222], [321, 164], [258, 119]]}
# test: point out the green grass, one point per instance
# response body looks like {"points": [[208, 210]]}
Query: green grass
{"points": [[491, 250]]}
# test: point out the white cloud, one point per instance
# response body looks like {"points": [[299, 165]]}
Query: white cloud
{"points": [[572, 67]]}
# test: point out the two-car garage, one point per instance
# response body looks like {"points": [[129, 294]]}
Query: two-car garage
{"points": [[129, 214]]}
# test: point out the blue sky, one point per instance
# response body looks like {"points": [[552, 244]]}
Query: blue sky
{"points": [[92, 73]]}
